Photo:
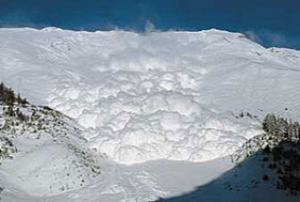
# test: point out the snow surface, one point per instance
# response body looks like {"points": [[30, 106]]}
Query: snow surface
{"points": [[140, 182], [150, 96], [46, 157], [77, 71], [141, 99], [244, 183]]}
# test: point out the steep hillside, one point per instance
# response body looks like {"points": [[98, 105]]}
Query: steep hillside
{"points": [[254, 179], [40, 150], [270, 172]]}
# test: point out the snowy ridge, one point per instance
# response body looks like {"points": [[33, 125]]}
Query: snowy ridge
{"points": [[289, 56]]}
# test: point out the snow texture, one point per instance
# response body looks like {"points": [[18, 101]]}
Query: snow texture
{"points": [[141, 98], [148, 96]]}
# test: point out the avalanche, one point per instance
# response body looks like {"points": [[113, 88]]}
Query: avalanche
{"points": [[158, 96]]}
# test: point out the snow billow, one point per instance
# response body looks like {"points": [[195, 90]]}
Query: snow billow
{"points": [[145, 97], [136, 117]]}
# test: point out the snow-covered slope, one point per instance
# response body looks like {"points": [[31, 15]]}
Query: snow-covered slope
{"points": [[189, 96], [217, 67], [141, 93], [270, 174], [41, 152], [287, 56], [246, 182]]}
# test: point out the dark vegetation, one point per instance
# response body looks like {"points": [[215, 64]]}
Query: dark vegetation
{"points": [[284, 158], [281, 128], [9, 98]]}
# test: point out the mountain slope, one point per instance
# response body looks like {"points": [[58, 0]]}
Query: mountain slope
{"points": [[215, 66], [136, 99], [269, 174], [40, 150], [118, 82]]}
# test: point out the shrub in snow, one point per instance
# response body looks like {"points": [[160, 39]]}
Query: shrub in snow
{"points": [[283, 160], [8, 97], [280, 127]]}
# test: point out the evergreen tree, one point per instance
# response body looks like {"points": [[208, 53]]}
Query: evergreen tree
{"points": [[269, 124]]}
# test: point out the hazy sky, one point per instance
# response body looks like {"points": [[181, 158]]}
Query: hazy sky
{"points": [[270, 22]]}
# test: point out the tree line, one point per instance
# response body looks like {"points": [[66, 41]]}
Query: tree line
{"points": [[281, 127], [8, 96]]}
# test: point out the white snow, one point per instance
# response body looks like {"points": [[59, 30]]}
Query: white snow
{"points": [[139, 182], [44, 170], [142, 97], [133, 138]]}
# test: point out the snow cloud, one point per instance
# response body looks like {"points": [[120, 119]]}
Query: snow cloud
{"points": [[253, 36], [272, 39]]}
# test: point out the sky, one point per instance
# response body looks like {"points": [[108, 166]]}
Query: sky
{"points": [[269, 22]]}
